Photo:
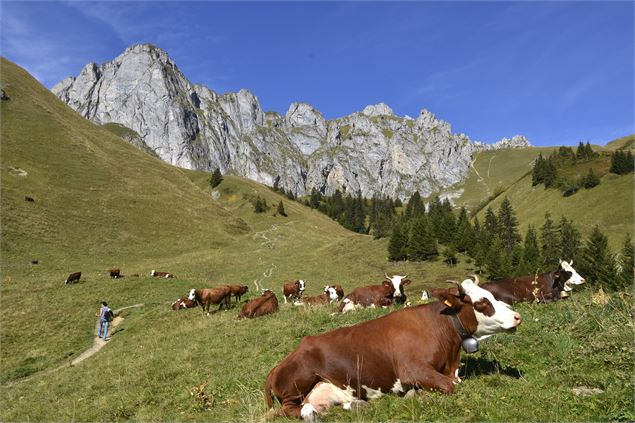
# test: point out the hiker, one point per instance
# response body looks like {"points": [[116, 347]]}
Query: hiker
{"points": [[105, 316]]}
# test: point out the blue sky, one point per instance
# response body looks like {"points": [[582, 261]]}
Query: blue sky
{"points": [[556, 72]]}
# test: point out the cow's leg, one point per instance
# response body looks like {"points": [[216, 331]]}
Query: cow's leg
{"points": [[427, 378], [285, 298]]}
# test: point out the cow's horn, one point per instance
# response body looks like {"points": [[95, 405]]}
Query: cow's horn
{"points": [[476, 280], [458, 285], [387, 277]]}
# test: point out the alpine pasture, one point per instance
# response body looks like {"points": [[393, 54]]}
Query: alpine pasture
{"points": [[101, 203]]}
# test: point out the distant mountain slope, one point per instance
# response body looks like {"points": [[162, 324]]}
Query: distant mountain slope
{"points": [[94, 193], [191, 126], [507, 173]]}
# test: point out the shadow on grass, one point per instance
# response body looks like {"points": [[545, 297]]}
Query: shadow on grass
{"points": [[474, 366]]}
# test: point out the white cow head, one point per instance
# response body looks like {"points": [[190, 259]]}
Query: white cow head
{"points": [[301, 285], [492, 316], [574, 279], [331, 293], [192, 295], [398, 282]]}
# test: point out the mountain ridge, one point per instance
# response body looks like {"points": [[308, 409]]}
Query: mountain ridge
{"points": [[191, 126]]}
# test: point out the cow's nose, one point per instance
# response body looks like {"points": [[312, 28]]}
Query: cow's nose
{"points": [[397, 294], [517, 317]]}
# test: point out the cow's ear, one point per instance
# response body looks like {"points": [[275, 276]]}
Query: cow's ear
{"points": [[450, 300], [386, 283], [406, 282]]}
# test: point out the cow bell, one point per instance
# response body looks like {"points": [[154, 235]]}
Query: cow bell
{"points": [[470, 345]]}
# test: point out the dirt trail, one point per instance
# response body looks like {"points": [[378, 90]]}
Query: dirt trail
{"points": [[98, 344]]}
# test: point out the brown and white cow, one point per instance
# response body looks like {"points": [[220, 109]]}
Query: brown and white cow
{"points": [[73, 278], [166, 275], [183, 302], [207, 296], [389, 292], [238, 291], [544, 288], [338, 290], [114, 273], [412, 348], [293, 290], [329, 295], [267, 303]]}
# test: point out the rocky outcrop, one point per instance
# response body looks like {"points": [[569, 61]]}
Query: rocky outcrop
{"points": [[190, 125]]}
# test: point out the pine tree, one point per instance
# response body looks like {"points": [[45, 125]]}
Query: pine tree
{"points": [[449, 255], [281, 210], [479, 248], [622, 162], [550, 174], [490, 227], [464, 234], [530, 261], [259, 206], [550, 243], [508, 226], [538, 172], [315, 198], [415, 207], [421, 243], [497, 263], [216, 178], [598, 264], [397, 246], [570, 240], [590, 180], [626, 264]]}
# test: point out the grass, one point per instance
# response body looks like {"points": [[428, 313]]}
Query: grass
{"points": [[101, 203]]}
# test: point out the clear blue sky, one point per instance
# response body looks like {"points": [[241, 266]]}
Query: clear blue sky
{"points": [[556, 72]]}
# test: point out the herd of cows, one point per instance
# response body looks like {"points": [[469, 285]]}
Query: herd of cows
{"points": [[397, 353], [409, 349]]}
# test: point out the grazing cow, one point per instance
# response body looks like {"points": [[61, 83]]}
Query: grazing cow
{"points": [[544, 288], [293, 290], [207, 296], [238, 291], [166, 275], [412, 348], [391, 290], [73, 277], [183, 302], [267, 303], [114, 273], [328, 296]]}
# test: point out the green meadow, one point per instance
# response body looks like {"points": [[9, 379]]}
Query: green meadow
{"points": [[102, 203]]}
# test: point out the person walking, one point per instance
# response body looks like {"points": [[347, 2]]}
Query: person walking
{"points": [[105, 316]]}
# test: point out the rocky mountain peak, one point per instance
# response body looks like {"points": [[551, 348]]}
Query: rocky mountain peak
{"points": [[378, 109], [192, 126]]}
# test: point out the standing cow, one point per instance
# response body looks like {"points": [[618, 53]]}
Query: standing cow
{"points": [[238, 291], [391, 290], [413, 348], [207, 296], [267, 303], [73, 278], [293, 290], [114, 273]]}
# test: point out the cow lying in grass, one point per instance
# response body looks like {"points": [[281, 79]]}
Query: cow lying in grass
{"points": [[409, 349]]}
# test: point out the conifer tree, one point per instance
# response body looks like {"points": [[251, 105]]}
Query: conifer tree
{"points": [[490, 227], [590, 180], [570, 240], [550, 243], [508, 226], [415, 207], [530, 261], [216, 178], [281, 210], [550, 173], [626, 264], [464, 234], [598, 264], [398, 244], [421, 243], [497, 263], [449, 255], [315, 198], [479, 248], [538, 172]]}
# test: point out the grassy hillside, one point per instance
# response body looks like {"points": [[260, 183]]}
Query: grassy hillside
{"points": [[507, 173], [100, 202]]}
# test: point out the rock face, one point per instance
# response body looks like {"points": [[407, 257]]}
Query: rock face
{"points": [[191, 126]]}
